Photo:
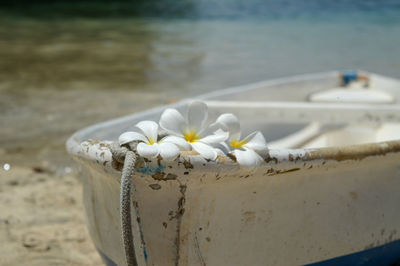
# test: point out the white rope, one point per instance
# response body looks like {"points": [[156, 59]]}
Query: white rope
{"points": [[125, 201], [125, 208]]}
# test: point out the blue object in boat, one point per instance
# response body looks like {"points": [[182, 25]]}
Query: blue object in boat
{"points": [[349, 76]]}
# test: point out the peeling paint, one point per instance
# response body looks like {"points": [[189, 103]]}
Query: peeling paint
{"points": [[248, 217], [353, 195], [279, 155], [187, 165], [164, 177], [155, 186], [178, 215], [273, 171], [189, 160], [150, 170]]}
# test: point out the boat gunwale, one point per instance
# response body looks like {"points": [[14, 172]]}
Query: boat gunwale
{"points": [[278, 160], [274, 156]]}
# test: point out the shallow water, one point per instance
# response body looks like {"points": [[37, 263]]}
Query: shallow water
{"points": [[58, 75], [189, 54]]}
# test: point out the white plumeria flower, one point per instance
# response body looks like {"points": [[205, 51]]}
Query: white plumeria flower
{"points": [[192, 132], [148, 146], [247, 150]]}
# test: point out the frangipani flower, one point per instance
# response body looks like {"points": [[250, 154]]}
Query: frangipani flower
{"points": [[148, 146], [247, 150], [192, 132]]}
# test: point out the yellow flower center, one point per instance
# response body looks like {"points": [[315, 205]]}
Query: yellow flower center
{"points": [[191, 136], [151, 141], [238, 144]]}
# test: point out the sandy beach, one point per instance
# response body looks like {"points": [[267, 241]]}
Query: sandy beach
{"points": [[42, 218]]}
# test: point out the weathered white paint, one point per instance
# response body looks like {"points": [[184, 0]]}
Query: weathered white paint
{"points": [[359, 95], [314, 205], [302, 206]]}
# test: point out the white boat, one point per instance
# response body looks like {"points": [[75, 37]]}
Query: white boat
{"points": [[329, 192]]}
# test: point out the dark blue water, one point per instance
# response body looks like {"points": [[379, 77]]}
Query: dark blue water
{"points": [[195, 9]]}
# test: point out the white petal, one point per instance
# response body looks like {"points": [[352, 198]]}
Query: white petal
{"points": [[180, 142], [248, 158], [222, 146], [148, 151], [219, 137], [173, 122], [197, 115], [210, 130], [225, 146], [205, 150], [219, 151], [131, 136], [168, 151], [230, 123], [256, 141], [150, 129]]}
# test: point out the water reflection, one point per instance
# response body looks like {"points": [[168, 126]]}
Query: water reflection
{"points": [[131, 54], [196, 55]]}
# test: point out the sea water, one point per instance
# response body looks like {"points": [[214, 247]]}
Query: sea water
{"points": [[200, 45]]}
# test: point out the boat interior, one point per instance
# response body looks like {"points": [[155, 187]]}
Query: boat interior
{"points": [[309, 111], [336, 109]]}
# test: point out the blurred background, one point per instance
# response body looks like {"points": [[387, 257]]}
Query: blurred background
{"points": [[66, 64]]}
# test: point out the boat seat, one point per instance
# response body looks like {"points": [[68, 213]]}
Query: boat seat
{"points": [[353, 95]]}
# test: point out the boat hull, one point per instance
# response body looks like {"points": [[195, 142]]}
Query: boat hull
{"points": [[327, 205], [287, 213]]}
